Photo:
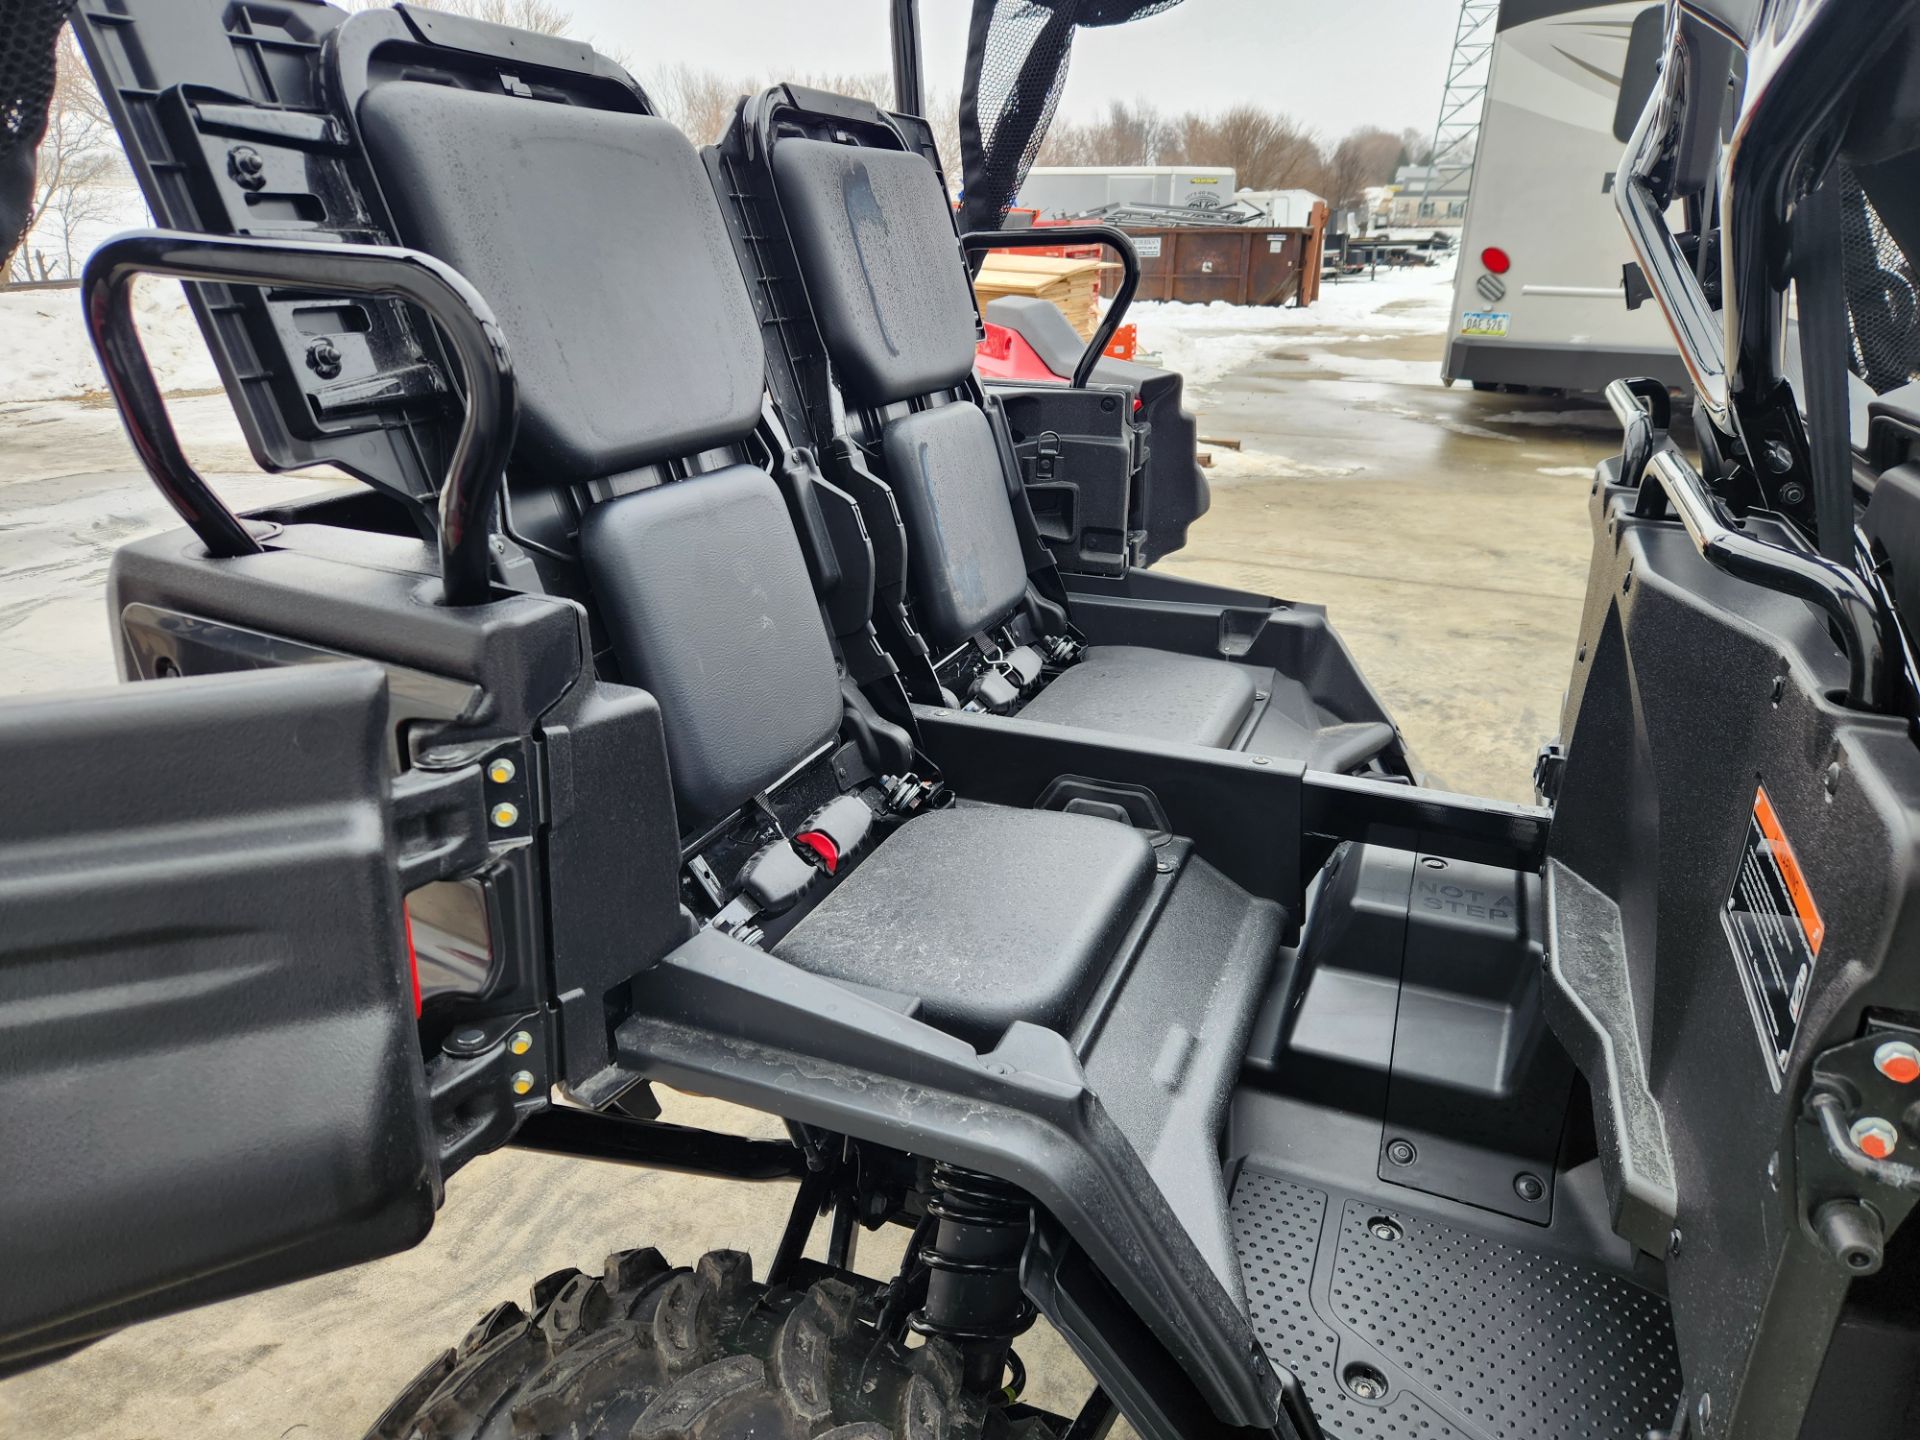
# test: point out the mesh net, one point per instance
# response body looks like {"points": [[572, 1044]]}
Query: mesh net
{"points": [[1883, 305], [1017, 54], [28, 32]]}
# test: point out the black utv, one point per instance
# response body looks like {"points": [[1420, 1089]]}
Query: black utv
{"points": [[715, 686]]}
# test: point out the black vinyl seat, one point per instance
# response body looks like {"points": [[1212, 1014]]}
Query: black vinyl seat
{"points": [[599, 243], [875, 242]]}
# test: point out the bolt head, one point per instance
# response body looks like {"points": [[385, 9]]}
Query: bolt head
{"points": [[247, 166], [1529, 1187], [1874, 1137], [522, 1082], [323, 358], [1898, 1061], [1401, 1152], [504, 815], [520, 1043], [500, 771]]}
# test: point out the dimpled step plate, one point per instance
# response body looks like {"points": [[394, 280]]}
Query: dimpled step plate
{"points": [[1477, 1338]]}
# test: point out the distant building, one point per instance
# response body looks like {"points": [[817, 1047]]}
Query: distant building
{"points": [[1412, 203]]}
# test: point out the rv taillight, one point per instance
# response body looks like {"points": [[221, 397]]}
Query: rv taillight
{"points": [[1496, 260]]}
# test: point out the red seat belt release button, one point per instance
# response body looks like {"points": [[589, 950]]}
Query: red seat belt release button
{"points": [[820, 845]]}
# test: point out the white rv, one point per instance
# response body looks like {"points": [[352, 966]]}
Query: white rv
{"points": [[1539, 300]]}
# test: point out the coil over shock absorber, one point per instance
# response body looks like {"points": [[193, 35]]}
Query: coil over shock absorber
{"points": [[973, 1271]]}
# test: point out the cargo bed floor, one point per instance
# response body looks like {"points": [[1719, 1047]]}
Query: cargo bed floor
{"points": [[1459, 1335]]}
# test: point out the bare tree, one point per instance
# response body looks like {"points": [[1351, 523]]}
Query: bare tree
{"points": [[1130, 133], [700, 102], [1416, 147], [1267, 150], [79, 168], [1368, 156]]}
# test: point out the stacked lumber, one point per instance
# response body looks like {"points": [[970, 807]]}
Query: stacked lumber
{"points": [[1072, 285]]}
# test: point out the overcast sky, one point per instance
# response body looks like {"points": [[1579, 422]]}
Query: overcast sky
{"points": [[1331, 64]]}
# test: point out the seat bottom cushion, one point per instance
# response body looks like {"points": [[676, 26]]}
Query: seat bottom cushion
{"points": [[1196, 700], [1153, 694], [987, 915]]}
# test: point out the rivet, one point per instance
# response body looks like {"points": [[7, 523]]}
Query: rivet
{"points": [[1261, 760], [522, 1082], [501, 771], [504, 815], [1674, 1242], [520, 1043], [1898, 1061], [1528, 1187], [1401, 1152], [1259, 695], [1165, 867]]}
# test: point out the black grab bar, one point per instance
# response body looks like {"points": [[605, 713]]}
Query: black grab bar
{"points": [[479, 350], [1837, 590], [976, 242]]}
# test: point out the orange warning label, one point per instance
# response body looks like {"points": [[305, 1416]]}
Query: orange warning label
{"points": [[1791, 875], [1774, 929]]}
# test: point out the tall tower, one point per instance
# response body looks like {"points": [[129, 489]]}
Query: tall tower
{"points": [[1456, 135]]}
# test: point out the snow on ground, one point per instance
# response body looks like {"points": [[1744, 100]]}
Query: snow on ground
{"points": [[1208, 342], [45, 354]]}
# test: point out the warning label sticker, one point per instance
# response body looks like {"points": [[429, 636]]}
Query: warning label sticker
{"points": [[1775, 931]]}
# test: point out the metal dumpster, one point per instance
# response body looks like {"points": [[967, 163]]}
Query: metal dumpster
{"points": [[1240, 264]]}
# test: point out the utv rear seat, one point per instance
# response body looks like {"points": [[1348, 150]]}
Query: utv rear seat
{"points": [[876, 246], [640, 394]]}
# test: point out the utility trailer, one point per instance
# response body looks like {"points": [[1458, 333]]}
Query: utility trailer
{"points": [[696, 638]]}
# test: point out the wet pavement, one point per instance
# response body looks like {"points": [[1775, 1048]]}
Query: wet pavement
{"points": [[70, 493], [1446, 530]]}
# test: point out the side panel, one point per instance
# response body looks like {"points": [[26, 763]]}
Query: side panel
{"points": [[1701, 712], [209, 1079]]}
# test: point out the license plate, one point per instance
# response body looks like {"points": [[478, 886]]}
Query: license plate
{"points": [[1485, 322]]}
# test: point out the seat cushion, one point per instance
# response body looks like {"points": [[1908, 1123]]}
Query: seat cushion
{"points": [[597, 240], [965, 568], [706, 599], [875, 238], [1153, 694], [987, 914]]}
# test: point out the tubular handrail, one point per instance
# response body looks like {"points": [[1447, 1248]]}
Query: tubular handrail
{"points": [[979, 241], [1644, 427], [474, 337], [1838, 591]]}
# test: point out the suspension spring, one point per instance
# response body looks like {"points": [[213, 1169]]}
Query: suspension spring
{"points": [[974, 1298]]}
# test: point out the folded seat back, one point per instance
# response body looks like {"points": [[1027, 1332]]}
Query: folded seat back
{"points": [[874, 237], [597, 238]]}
